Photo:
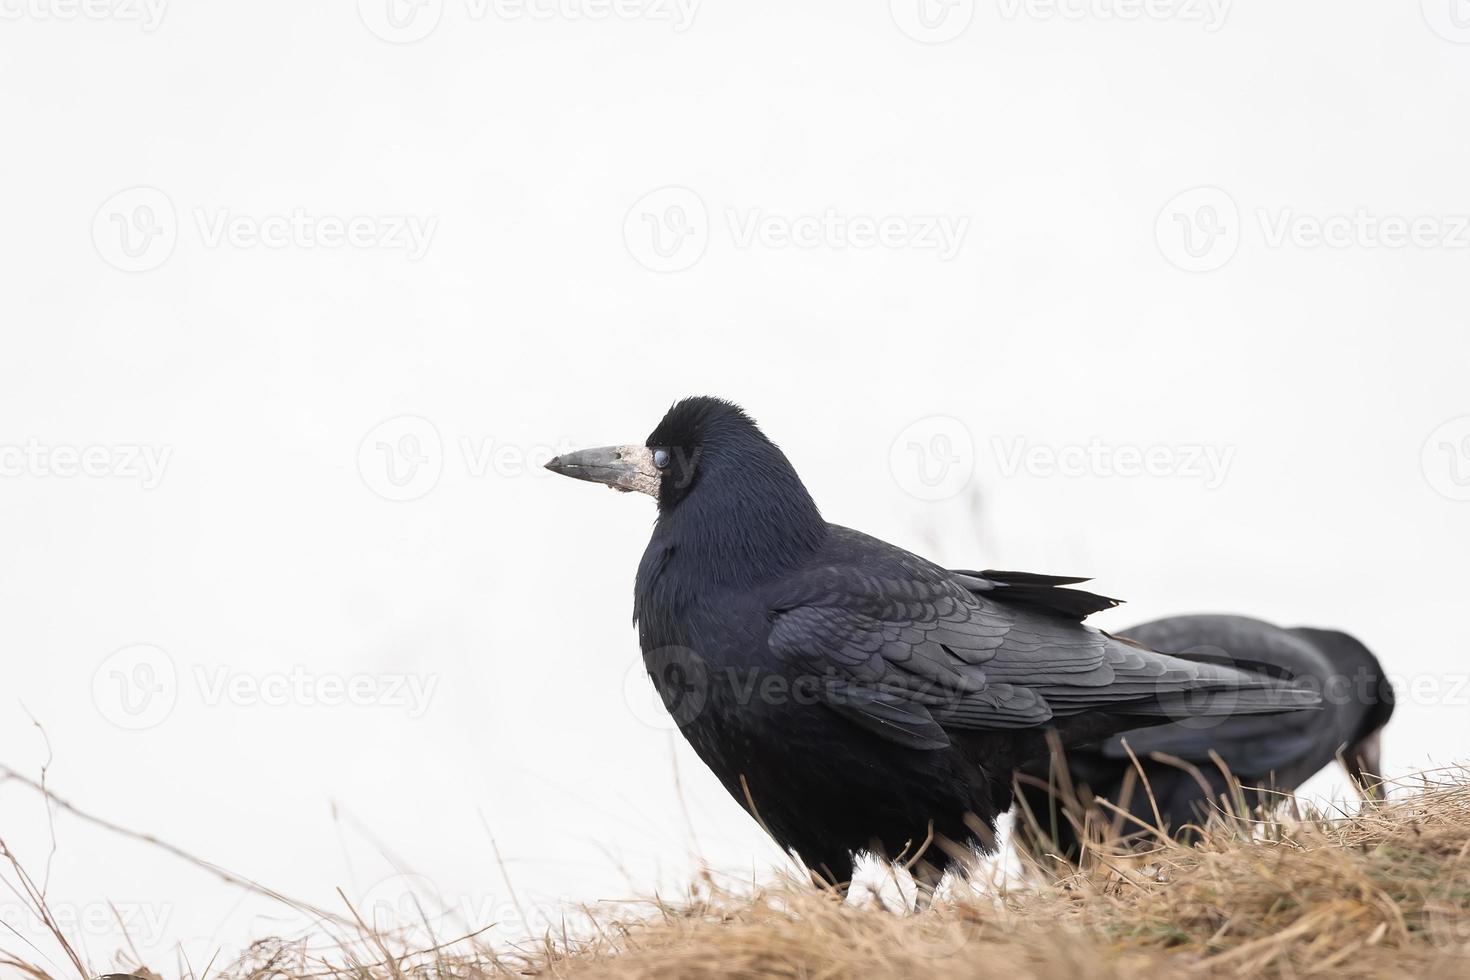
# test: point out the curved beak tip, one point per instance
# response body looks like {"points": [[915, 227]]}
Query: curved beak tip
{"points": [[620, 467]]}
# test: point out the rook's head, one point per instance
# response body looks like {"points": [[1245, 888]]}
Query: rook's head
{"points": [[1370, 705], [700, 439]]}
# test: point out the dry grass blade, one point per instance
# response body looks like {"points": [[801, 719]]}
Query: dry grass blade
{"points": [[1384, 891]]}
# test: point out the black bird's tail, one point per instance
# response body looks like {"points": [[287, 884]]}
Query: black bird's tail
{"points": [[1227, 691]]}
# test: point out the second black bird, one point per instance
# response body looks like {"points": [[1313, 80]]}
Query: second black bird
{"points": [[1172, 777]]}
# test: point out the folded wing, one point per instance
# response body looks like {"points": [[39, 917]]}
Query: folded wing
{"points": [[921, 655]]}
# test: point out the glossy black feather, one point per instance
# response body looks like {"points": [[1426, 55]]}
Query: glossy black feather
{"points": [[1044, 592]]}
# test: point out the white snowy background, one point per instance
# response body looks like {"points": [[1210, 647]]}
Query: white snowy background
{"points": [[297, 298]]}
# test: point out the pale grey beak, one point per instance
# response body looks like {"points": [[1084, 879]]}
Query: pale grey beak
{"points": [[620, 467]]}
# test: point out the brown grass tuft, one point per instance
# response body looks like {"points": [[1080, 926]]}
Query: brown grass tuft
{"points": [[1382, 892]]}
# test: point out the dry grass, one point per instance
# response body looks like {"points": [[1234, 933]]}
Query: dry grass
{"points": [[1383, 892]]}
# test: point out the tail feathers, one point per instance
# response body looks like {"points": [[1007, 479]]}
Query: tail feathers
{"points": [[1255, 667], [1222, 702], [1217, 687], [1046, 593]]}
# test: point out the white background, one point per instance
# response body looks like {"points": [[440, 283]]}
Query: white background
{"points": [[537, 319]]}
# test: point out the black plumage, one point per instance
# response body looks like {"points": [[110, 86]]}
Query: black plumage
{"points": [[1268, 755], [851, 695]]}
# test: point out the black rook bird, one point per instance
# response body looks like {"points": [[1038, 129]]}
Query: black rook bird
{"points": [[1268, 756], [851, 695]]}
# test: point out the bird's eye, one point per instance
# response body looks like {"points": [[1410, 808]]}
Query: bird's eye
{"points": [[661, 458]]}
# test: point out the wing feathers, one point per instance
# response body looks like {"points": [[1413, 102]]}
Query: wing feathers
{"points": [[923, 651]]}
